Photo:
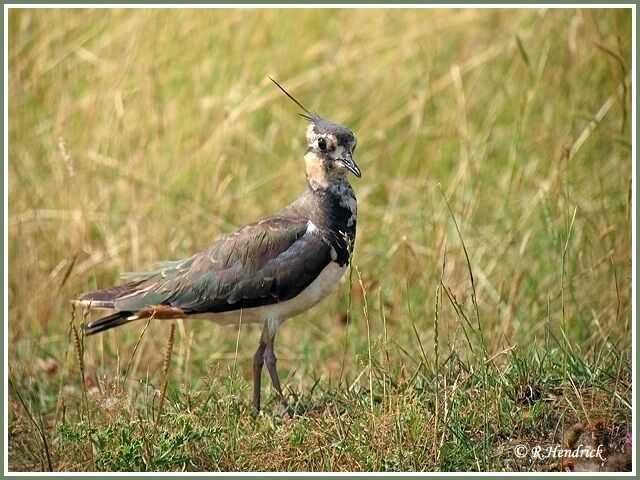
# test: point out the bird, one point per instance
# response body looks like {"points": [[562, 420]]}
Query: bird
{"points": [[265, 272]]}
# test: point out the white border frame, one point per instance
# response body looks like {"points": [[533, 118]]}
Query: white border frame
{"points": [[7, 7]]}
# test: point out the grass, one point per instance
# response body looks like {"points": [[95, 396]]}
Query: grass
{"points": [[489, 304]]}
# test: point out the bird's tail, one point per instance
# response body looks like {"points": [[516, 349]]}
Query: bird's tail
{"points": [[106, 323], [106, 297]]}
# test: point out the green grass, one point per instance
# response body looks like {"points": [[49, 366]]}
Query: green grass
{"points": [[490, 300]]}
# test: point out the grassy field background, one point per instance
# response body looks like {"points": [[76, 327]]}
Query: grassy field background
{"points": [[138, 135]]}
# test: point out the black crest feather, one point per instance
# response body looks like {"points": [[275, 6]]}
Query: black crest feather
{"points": [[311, 116]]}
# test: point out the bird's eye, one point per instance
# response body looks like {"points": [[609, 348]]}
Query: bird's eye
{"points": [[322, 144]]}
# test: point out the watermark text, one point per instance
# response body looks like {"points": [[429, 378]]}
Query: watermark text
{"points": [[540, 452]]}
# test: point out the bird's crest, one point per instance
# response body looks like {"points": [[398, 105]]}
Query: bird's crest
{"points": [[311, 116]]}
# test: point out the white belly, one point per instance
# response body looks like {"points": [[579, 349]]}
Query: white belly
{"points": [[322, 286]]}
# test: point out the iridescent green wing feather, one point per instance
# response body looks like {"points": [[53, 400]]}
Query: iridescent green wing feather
{"points": [[263, 263]]}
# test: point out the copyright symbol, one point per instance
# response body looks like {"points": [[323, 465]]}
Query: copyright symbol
{"points": [[520, 451]]}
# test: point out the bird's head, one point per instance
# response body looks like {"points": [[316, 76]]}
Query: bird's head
{"points": [[329, 151], [330, 147]]}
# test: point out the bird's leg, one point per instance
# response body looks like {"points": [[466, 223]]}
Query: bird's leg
{"points": [[270, 360], [258, 361]]}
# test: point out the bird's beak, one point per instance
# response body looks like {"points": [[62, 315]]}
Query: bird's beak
{"points": [[348, 162]]}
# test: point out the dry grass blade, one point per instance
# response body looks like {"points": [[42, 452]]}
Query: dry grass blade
{"points": [[365, 311], [38, 426], [135, 350], [165, 372], [78, 345]]}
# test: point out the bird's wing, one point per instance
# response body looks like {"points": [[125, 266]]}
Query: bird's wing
{"points": [[263, 263]]}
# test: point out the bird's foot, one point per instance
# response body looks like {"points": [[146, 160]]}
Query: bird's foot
{"points": [[283, 409]]}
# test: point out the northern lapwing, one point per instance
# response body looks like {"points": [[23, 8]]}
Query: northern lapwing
{"points": [[266, 272]]}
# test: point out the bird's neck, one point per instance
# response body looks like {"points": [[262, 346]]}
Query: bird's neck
{"points": [[338, 186], [319, 177], [333, 209], [334, 204]]}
